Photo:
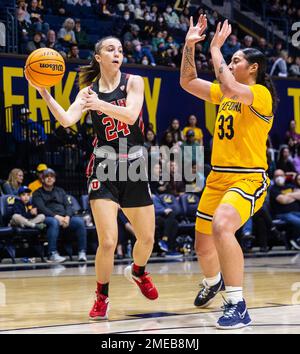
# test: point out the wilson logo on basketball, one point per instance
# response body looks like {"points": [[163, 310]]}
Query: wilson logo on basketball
{"points": [[54, 67]]}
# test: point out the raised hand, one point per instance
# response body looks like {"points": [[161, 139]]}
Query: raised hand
{"points": [[195, 33], [221, 34]]}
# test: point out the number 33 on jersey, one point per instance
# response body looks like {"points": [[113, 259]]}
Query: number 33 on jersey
{"points": [[241, 131]]}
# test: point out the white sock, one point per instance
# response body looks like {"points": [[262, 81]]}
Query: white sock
{"points": [[214, 280], [234, 294]]}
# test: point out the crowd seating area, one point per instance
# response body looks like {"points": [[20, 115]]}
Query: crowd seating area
{"points": [[152, 33], [264, 230]]}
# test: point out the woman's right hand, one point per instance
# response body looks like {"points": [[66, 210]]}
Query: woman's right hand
{"points": [[195, 33], [38, 88]]}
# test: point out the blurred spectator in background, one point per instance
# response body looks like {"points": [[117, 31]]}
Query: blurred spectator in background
{"points": [[54, 44], [190, 148], [14, 182], [247, 42], [147, 28], [150, 139], [140, 51], [54, 203], [73, 52], [230, 47], [175, 130], [264, 230], [292, 138], [169, 148], [152, 148], [285, 161], [279, 67], [128, 53], [157, 40], [24, 24], [284, 202], [66, 34], [154, 12], [277, 50], [295, 68], [213, 19], [36, 43], [200, 58], [122, 25], [138, 12], [36, 184], [161, 24], [80, 35], [29, 138], [71, 143], [184, 19], [192, 125], [24, 213], [167, 227], [181, 5], [176, 185], [296, 160], [172, 46], [197, 184], [263, 47], [36, 17], [56, 7], [132, 34], [171, 17], [157, 185]]}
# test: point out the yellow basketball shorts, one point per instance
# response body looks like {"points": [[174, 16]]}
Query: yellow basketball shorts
{"points": [[244, 189]]}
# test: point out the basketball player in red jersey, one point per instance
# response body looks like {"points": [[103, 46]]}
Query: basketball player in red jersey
{"points": [[115, 101]]}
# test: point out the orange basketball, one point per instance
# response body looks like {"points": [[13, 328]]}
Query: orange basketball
{"points": [[45, 67]]}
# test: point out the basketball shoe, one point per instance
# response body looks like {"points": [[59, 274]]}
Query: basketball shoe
{"points": [[100, 308], [234, 316], [144, 282], [207, 293]]}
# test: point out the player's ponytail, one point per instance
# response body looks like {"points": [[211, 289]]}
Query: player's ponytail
{"points": [[267, 81], [253, 55], [89, 72], [92, 71]]}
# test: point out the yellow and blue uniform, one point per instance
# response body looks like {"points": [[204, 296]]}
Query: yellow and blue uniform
{"points": [[239, 159]]}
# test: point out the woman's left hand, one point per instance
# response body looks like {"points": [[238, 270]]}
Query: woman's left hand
{"points": [[91, 101], [221, 35]]}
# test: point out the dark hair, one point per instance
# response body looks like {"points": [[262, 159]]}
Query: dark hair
{"points": [[252, 56], [89, 72], [281, 150], [164, 139], [170, 127], [154, 139]]}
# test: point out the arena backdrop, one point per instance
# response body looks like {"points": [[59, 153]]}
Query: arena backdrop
{"points": [[164, 98]]}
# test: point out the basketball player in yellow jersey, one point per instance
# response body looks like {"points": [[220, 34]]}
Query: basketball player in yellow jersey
{"points": [[237, 185]]}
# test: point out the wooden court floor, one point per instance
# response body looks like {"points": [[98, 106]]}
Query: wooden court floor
{"points": [[58, 299]]}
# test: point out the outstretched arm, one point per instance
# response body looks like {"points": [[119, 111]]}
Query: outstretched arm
{"points": [[65, 118], [134, 102], [229, 86], [188, 74]]}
